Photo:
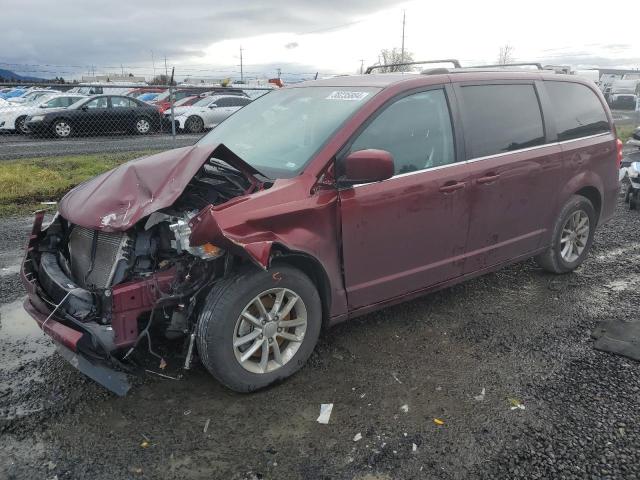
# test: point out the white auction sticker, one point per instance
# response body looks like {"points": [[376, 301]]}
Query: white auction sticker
{"points": [[347, 95]]}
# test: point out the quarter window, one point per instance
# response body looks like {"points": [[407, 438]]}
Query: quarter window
{"points": [[578, 111], [501, 118], [415, 129], [100, 102]]}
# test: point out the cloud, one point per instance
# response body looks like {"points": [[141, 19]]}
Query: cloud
{"points": [[291, 45], [71, 36]]}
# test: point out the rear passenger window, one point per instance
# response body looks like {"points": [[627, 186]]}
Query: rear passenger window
{"points": [[501, 118], [578, 111], [415, 129]]}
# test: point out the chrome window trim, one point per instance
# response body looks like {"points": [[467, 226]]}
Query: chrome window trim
{"points": [[487, 157]]}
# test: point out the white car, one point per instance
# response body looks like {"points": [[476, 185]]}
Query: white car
{"points": [[12, 116], [32, 95], [206, 113]]}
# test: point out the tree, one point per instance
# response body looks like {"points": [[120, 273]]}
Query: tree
{"points": [[394, 56], [160, 80], [506, 54]]}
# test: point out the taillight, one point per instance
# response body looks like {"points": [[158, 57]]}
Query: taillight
{"points": [[619, 146]]}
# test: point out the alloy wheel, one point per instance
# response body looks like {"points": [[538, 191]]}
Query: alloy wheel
{"points": [[575, 234], [21, 125], [62, 129], [270, 330], [143, 125]]}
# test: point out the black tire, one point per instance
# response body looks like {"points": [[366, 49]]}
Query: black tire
{"points": [[59, 131], [194, 124], [551, 260], [216, 326], [21, 127], [142, 126]]}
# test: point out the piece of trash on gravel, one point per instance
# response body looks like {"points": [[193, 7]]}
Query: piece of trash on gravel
{"points": [[405, 408], [325, 413], [162, 375], [395, 377], [206, 425], [357, 437], [144, 444], [515, 404], [414, 447], [480, 397], [438, 422]]}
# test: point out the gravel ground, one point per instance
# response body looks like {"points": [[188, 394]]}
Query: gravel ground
{"points": [[20, 146], [520, 335]]}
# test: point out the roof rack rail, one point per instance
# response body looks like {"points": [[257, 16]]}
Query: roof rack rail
{"points": [[521, 64], [453, 61]]}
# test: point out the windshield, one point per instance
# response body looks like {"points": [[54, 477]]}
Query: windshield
{"points": [[279, 133]]}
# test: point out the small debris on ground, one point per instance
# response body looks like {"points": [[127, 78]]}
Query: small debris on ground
{"points": [[206, 425], [325, 413], [395, 377], [357, 437], [414, 447], [438, 422], [480, 397], [405, 408], [144, 444], [515, 404]]}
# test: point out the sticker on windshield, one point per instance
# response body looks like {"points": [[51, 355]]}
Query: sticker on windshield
{"points": [[347, 95]]}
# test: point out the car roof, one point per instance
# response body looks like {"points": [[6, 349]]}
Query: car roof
{"points": [[436, 76]]}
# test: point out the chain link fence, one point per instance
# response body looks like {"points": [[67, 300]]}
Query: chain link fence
{"points": [[142, 116]]}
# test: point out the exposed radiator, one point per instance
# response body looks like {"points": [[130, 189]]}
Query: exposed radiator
{"points": [[109, 251]]}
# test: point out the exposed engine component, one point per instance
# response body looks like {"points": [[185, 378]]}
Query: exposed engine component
{"points": [[182, 232]]}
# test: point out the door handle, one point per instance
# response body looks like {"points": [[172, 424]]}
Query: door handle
{"points": [[452, 187], [491, 177]]}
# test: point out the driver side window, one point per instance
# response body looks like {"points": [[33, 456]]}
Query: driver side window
{"points": [[415, 129]]}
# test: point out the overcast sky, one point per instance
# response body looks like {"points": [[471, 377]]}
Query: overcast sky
{"points": [[203, 37]]}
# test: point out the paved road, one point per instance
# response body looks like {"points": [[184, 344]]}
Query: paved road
{"points": [[18, 146], [461, 355]]}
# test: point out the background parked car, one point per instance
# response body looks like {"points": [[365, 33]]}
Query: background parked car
{"points": [[15, 92], [98, 114], [32, 95], [207, 112], [148, 97], [13, 117], [136, 92]]}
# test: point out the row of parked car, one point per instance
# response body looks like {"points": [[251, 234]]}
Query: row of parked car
{"points": [[81, 110]]}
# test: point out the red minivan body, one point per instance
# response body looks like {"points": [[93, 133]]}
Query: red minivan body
{"points": [[490, 192]]}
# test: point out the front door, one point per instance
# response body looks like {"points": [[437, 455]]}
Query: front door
{"points": [[95, 115], [408, 232]]}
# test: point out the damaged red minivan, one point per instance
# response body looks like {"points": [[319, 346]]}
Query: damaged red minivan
{"points": [[317, 203]]}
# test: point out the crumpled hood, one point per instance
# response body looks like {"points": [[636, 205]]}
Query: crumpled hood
{"points": [[117, 199]]}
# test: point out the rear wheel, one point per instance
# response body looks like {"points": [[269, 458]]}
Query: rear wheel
{"points": [[62, 128], [194, 125], [21, 126], [143, 126], [258, 327], [572, 236]]}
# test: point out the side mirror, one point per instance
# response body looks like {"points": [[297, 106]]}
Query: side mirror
{"points": [[84, 108], [366, 166], [213, 105]]}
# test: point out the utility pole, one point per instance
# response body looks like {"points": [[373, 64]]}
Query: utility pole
{"points": [[122, 69], [404, 13], [241, 71], [153, 64], [166, 72], [361, 65]]}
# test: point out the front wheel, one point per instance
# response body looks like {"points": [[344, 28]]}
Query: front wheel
{"points": [[194, 124], [572, 236], [258, 327], [62, 129]]}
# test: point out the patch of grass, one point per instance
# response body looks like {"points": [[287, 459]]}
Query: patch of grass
{"points": [[625, 132], [26, 182]]}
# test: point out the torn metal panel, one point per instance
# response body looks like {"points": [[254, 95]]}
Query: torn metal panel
{"points": [[116, 200]]}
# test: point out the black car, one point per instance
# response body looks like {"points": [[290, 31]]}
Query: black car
{"points": [[98, 114]]}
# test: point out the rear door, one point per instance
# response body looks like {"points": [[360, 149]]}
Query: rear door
{"points": [[515, 171], [94, 116], [408, 232], [123, 113]]}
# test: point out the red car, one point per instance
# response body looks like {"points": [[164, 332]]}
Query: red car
{"points": [[317, 203]]}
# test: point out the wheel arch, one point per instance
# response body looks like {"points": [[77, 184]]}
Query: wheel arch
{"points": [[312, 267], [592, 194]]}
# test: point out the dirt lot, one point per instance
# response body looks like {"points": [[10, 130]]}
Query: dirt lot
{"points": [[519, 335]]}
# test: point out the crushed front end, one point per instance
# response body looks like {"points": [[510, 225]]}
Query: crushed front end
{"points": [[98, 292]]}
